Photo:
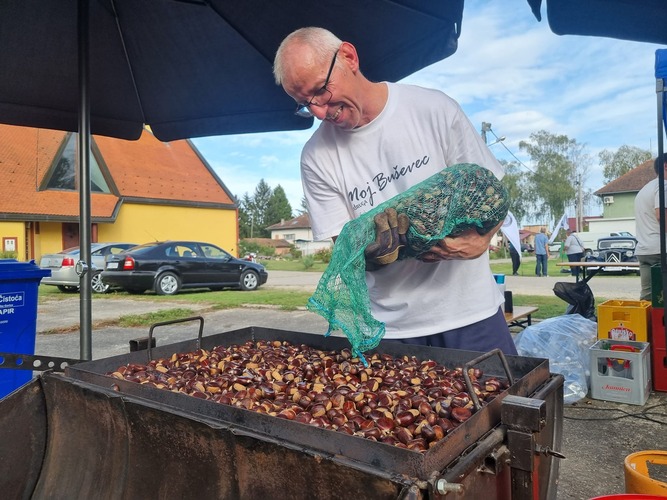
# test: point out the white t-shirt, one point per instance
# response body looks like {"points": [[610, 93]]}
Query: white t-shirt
{"points": [[646, 223], [346, 173]]}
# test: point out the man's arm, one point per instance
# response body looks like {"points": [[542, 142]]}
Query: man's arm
{"points": [[467, 245]]}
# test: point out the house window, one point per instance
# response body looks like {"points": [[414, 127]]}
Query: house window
{"points": [[289, 237], [63, 173]]}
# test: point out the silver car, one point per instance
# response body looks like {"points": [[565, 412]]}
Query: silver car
{"points": [[63, 264]]}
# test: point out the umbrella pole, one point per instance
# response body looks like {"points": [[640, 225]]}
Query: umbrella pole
{"points": [[85, 287], [660, 91]]}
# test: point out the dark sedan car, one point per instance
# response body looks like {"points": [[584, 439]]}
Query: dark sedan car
{"points": [[169, 266], [615, 249]]}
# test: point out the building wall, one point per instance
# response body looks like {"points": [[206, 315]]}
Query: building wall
{"points": [[144, 223], [623, 206], [139, 224], [16, 232]]}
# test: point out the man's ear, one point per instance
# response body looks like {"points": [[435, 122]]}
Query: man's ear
{"points": [[349, 55]]}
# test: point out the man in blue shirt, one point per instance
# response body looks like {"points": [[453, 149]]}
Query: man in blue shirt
{"points": [[541, 252]]}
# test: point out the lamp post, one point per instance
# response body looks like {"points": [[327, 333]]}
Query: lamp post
{"points": [[499, 139]]}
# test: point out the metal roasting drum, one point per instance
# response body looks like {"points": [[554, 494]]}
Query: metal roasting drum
{"points": [[101, 434]]}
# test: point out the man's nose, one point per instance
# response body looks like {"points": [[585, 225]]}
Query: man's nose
{"points": [[319, 112]]}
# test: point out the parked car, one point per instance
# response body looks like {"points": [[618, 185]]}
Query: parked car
{"points": [[615, 249], [170, 266], [63, 266], [527, 247], [555, 246]]}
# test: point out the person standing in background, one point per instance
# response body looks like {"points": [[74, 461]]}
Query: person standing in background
{"points": [[541, 253], [647, 220], [574, 249]]}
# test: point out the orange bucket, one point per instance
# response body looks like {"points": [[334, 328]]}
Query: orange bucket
{"points": [[637, 473], [630, 496]]}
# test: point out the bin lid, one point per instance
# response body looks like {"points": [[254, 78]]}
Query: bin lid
{"points": [[11, 270]]}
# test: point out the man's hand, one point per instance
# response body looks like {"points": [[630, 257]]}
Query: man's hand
{"points": [[467, 245], [390, 229]]}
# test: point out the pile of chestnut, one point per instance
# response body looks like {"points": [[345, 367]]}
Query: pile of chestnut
{"points": [[395, 400]]}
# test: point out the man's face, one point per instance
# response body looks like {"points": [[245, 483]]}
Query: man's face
{"points": [[306, 76]]}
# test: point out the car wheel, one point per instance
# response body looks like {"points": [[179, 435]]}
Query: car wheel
{"points": [[68, 289], [97, 284], [249, 280], [167, 284]]}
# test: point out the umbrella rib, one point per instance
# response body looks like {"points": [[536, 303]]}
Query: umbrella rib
{"points": [[127, 60]]}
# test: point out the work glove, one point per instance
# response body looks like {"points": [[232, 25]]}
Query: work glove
{"points": [[390, 229]]}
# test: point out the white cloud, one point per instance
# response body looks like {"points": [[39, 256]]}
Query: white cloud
{"points": [[509, 70]]}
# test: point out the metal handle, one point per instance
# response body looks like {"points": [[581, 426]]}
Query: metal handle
{"points": [[478, 360], [173, 322]]}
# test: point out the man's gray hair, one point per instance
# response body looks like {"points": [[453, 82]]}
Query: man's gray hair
{"points": [[322, 42]]}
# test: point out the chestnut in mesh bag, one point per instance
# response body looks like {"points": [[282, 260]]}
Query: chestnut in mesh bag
{"points": [[457, 198]]}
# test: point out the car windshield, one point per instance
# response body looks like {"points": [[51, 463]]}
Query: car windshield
{"points": [[606, 244]]}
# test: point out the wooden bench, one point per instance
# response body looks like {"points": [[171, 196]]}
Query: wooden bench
{"points": [[521, 316]]}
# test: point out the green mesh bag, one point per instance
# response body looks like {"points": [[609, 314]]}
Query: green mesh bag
{"points": [[458, 198]]}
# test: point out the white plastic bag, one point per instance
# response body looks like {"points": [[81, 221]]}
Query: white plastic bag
{"points": [[565, 341]]}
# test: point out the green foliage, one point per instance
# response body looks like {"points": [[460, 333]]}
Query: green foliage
{"points": [[308, 262], [560, 162], [615, 164], [324, 255], [8, 254], [515, 183], [278, 208]]}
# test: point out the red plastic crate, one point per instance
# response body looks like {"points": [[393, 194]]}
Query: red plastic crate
{"points": [[658, 350]]}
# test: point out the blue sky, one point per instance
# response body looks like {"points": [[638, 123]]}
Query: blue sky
{"points": [[509, 70]]}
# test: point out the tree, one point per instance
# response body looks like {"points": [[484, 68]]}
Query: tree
{"points": [[260, 200], [246, 217], [278, 208], [615, 164], [560, 162], [303, 209], [516, 187]]}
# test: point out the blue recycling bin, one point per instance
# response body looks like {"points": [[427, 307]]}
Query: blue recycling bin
{"points": [[18, 317]]}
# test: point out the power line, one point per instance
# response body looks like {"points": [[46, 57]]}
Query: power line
{"points": [[489, 129]]}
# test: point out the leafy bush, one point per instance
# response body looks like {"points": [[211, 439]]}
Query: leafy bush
{"points": [[8, 255], [324, 255], [308, 262]]}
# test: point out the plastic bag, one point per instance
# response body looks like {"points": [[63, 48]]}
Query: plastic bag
{"points": [[565, 341], [580, 297]]}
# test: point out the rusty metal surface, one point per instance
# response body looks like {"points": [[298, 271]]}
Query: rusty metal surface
{"points": [[355, 452], [22, 440], [106, 445]]}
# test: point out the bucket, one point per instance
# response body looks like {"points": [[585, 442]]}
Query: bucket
{"points": [[629, 496], [637, 472]]}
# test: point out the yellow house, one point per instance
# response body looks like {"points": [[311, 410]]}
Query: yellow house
{"points": [[142, 191]]}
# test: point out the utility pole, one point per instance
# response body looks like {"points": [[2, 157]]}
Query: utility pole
{"points": [[579, 209], [486, 127]]}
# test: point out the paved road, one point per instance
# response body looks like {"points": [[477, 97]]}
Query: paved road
{"points": [[597, 435]]}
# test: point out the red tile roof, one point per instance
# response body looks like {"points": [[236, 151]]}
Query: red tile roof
{"points": [[300, 222], [145, 169], [630, 182]]}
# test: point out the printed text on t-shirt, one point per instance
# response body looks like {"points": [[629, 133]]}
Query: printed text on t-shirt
{"points": [[362, 197]]}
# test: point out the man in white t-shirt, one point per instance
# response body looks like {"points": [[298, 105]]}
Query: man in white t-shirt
{"points": [[647, 221], [376, 140]]}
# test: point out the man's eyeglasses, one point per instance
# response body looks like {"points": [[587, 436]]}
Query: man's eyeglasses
{"points": [[320, 98]]}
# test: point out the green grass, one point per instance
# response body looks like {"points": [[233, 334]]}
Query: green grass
{"points": [[289, 300]]}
